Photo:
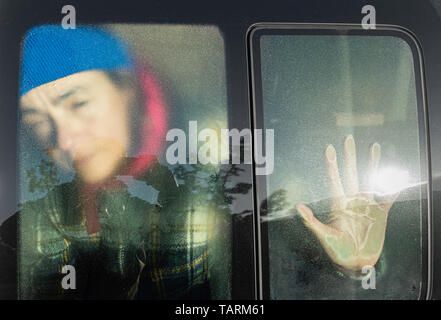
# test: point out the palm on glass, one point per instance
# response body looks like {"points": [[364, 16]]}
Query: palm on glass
{"points": [[355, 232]]}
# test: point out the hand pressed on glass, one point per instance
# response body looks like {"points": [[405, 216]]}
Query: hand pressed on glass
{"points": [[355, 233]]}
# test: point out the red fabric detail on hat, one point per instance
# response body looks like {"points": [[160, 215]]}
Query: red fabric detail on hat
{"points": [[155, 123]]}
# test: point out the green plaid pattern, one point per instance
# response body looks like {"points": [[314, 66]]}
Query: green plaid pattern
{"points": [[143, 250]]}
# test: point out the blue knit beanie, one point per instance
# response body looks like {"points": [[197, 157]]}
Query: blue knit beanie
{"points": [[51, 52]]}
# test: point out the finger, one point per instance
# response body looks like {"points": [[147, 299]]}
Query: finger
{"points": [[350, 166], [374, 160], [336, 187], [310, 221]]}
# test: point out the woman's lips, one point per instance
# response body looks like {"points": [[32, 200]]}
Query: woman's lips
{"points": [[82, 160]]}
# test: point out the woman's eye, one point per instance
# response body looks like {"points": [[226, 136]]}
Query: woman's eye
{"points": [[41, 128], [34, 121], [79, 104]]}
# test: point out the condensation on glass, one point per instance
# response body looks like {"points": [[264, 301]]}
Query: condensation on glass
{"points": [[323, 94], [96, 190]]}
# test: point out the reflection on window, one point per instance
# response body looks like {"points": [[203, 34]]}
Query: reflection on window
{"points": [[345, 194], [96, 192]]}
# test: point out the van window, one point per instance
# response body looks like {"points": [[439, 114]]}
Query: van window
{"points": [[104, 213], [345, 206]]}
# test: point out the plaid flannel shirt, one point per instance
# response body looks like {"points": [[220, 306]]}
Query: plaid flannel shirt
{"points": [[143, 250]]}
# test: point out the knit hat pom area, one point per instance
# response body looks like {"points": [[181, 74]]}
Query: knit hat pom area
{"points": [[50, 52]]}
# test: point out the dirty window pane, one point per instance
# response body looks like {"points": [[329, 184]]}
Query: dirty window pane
{"points": [[103, 212], [324, 96]]}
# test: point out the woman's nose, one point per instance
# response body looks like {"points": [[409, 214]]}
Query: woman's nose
{"points": [[67, 137]]}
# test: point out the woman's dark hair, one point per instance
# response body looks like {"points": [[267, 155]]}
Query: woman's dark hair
{"points": [[129, 80]]}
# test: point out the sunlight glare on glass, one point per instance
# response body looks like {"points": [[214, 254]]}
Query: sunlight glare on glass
{"points": [[389, 180]]}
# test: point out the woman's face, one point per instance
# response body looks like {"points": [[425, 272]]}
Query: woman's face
{"points": [[88, 115]]}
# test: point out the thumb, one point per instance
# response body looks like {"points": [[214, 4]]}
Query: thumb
{"points": [[310, 221]]}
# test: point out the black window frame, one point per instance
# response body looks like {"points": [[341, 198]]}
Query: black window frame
{"points": [[264, 29]]}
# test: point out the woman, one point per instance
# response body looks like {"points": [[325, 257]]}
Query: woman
{"points": [[95, 111]]}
